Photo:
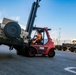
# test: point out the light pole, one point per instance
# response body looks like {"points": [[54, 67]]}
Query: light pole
{"points": [[59, 36]]}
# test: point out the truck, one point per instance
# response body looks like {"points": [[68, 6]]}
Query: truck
{"points": [[69, 46], [12, 35], [66, 46]]}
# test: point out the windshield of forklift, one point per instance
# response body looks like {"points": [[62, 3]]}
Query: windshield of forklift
{"points": [[45, 37]]}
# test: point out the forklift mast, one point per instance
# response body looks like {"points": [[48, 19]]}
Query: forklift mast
{"points": [[31, 18]]}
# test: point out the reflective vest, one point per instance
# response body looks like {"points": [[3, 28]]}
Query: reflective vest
{"points": [[39, 36]]}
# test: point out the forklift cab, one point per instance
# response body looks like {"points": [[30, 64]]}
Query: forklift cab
{"points": [[43, 32]]}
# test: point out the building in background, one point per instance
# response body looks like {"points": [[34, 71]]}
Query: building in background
{"points": [[59, 42]]}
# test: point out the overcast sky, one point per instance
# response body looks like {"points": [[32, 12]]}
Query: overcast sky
{"points": [[54, 14]]}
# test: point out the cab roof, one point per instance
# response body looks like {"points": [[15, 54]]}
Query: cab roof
{"points": [[39, 28]]}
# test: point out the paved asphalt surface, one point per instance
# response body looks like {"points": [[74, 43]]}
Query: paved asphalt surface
{"points": [[12, 64]]}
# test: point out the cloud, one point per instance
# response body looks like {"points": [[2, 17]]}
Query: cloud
{"points": [[23, 26], [16, 18], [2, 13], [0, 20], [53, 32]]}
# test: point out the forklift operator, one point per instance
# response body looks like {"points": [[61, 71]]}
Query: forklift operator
{"points": [[38, 38]]}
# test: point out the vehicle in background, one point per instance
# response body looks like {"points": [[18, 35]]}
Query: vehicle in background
{"points": [[67, 46]]}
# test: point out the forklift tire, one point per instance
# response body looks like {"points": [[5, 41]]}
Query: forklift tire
{"points": [[19, 53], [12, 30], [18, 50], [51, 53], [31, 52]]}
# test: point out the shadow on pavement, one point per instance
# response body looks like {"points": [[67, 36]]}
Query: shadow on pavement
{"points": [[7, 56]]}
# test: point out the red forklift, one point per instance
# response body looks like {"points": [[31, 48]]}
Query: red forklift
{"points": [[46, 45]]}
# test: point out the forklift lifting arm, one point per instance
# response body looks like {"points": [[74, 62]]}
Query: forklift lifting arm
{"points": [[31, 18]]}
